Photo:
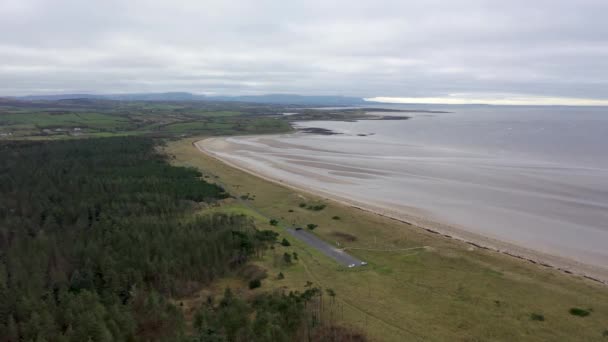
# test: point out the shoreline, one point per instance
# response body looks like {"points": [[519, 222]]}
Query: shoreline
{"points": [[559, 263]]}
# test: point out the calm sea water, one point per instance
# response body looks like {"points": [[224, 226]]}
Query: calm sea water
{"points": [[566, 135], [533, 176]]}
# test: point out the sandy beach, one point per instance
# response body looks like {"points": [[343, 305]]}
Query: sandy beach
{"points": [[241, 153]]}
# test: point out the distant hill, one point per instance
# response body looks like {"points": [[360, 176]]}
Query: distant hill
{"points": [[294, 99], [58, 97], [183, 96], [174, 96]]}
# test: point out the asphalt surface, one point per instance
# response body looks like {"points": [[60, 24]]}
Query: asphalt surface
{"points": [[339, 255]]}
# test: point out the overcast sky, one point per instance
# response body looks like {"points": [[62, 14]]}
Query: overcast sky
{"points": [[455, 50]]}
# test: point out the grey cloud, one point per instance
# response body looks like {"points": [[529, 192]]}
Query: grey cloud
{"points": [[362, 48]]}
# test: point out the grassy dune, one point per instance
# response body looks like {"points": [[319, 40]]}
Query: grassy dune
{"points": [[447, 291]]}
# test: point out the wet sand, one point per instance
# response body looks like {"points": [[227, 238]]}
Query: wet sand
{"points": [[303, 167]]}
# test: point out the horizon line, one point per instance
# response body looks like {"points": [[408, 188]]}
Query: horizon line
{"points": [[452, 99], [504, 101]]}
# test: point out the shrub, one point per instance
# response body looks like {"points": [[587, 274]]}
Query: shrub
{"points": [[537, 317], [295, 256], [266, 235], [338, 333], [579, 312], [281, 276], [344, 236], [335, 218], [317, 207], [253, 272], [285, 243], [302, 205], [290, 210], [287, 258], [255, 283], [274, 222], [311, 226]]}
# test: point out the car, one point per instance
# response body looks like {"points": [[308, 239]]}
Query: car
{"points": [[351, 265], [363, 263]]}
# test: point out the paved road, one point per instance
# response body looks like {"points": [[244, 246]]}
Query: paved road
{"points": [[339, 255]]}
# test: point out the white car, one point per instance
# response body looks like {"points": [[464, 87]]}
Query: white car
{"points": [[351, 265], [363, 263]]}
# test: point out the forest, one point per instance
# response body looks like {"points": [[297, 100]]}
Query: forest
{"points": [[97, 238]]}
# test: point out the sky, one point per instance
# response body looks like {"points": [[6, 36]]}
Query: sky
{"points": [[457, 51]]}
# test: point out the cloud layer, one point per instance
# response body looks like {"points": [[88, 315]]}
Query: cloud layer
{"points": [[542, 48]]}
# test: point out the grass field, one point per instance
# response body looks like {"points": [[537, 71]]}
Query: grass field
{"points": [[32, 124], [90, 118], [230, 126], [449, 291], [93, 118]]}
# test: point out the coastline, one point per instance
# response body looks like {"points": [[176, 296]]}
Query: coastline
{"points": [[442, 229]]}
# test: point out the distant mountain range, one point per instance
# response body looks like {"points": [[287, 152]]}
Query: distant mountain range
{"points": [[182, 96], [295, 99]]}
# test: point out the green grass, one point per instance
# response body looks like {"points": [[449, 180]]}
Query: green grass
{"points": [[196, 126], [230, 126], [215, 114], [51, 120], [444, 292], [106, 118], [44, 120]]}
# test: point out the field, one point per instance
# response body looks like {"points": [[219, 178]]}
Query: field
{"points": [[448, 290], [104, 118]]}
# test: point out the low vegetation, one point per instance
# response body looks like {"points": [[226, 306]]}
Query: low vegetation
{"points": [[313, 207], [269, 317], [255, 283], [345, 237], [537, 317], [580, 312], [316, 207]]}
